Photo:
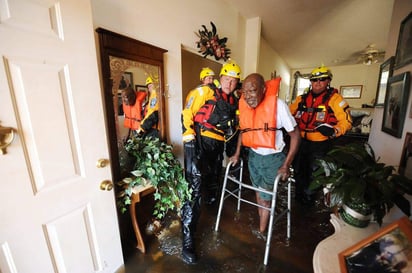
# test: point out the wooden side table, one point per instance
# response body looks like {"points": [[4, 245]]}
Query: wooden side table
{"points": [[138, 193]]}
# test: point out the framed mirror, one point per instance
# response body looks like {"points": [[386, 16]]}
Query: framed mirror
{"points": [[126, 62]]}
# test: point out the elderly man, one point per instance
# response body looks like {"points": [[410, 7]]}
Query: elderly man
{"points": [[262, 115]]}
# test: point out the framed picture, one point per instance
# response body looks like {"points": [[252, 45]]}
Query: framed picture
{"points": [[396, 102], [127, 80], [385, 72], [351, 91], [388, 250], [404, 48], [405, 166], [140, 88]]}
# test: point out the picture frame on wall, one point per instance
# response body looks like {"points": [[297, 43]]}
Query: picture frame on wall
{"points": [[396, 103], [388, 248], [140, 88], [351, 91], [404, 48], [385, 72], [126, 80], [405, 165]]}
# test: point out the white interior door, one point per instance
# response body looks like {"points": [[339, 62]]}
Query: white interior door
{"points": [[54, 217]]}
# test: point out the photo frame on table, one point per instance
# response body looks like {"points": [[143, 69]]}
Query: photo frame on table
{"points": [[404, 48], [390, 247], [396, 103], [351, 91], [385, 72], [405, 165]]}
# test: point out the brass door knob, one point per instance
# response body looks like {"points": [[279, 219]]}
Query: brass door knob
{"points": [[106, 185], [6, 138], [102, 162]]}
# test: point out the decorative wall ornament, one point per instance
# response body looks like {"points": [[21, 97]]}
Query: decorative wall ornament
{"points": [[210, 44]]}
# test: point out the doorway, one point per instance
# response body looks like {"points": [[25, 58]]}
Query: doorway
{"points": [[191, 66]]}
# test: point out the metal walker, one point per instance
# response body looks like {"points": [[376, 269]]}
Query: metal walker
{"points": [[237, 193]]}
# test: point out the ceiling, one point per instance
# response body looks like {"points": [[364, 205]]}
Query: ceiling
{"points": [[307, 33]]}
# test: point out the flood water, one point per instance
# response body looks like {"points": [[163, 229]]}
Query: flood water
{"points": [[234, 247]]}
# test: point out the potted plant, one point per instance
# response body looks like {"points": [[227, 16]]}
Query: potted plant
{"points": [[359, 185], [154, 163]]}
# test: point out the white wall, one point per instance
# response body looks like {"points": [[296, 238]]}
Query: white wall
{"points": [[168, 25], [386, 146]]}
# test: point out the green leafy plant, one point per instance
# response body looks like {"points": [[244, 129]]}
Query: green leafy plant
{"points": [[154, 163], [354, 175]]}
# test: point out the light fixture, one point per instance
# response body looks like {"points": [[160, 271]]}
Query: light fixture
{"points": [[372, 55], [370, 59]]}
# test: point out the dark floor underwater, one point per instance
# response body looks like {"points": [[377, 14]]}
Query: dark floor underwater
{"points": [[234, 248]]}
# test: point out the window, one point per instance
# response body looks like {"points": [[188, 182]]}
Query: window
{"points": [[302, 85]]}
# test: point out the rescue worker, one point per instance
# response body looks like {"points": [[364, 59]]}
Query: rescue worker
{"points": [[322, 115], [207, 76], [132, 108], [207, 119], [149, 127], [262, 115]]}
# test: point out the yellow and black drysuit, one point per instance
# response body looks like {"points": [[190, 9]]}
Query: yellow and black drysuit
{"points": [[150, 122], [321, 118], [207, 119]]}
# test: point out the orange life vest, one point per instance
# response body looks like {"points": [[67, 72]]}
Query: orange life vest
{"points": [[133, 113], [258, 125]]}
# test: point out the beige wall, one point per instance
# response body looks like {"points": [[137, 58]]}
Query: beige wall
{"points": [[171, 24], [270, 61], [360, 74], [386, 146]]}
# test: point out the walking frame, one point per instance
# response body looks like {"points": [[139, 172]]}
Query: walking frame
{"points": [[237, 193]]}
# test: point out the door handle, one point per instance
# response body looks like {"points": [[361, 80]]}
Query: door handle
{"points": [[6, 138], [102, 162], [106, 185]]}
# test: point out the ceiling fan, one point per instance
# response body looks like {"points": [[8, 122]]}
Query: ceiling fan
{"points": [[371, 55]]}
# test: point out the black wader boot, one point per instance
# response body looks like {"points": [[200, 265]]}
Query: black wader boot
{"points": [[212, 179], [190, 216], [191, 209]]}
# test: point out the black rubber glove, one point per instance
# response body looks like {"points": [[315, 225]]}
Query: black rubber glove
{"points": [[326, 130], [190, 148], [189, 144]]}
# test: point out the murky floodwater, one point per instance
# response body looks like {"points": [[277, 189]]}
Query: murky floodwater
{"points": [[234, 247]]}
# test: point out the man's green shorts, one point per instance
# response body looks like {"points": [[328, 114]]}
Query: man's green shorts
{"points": [[263, 170]]}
